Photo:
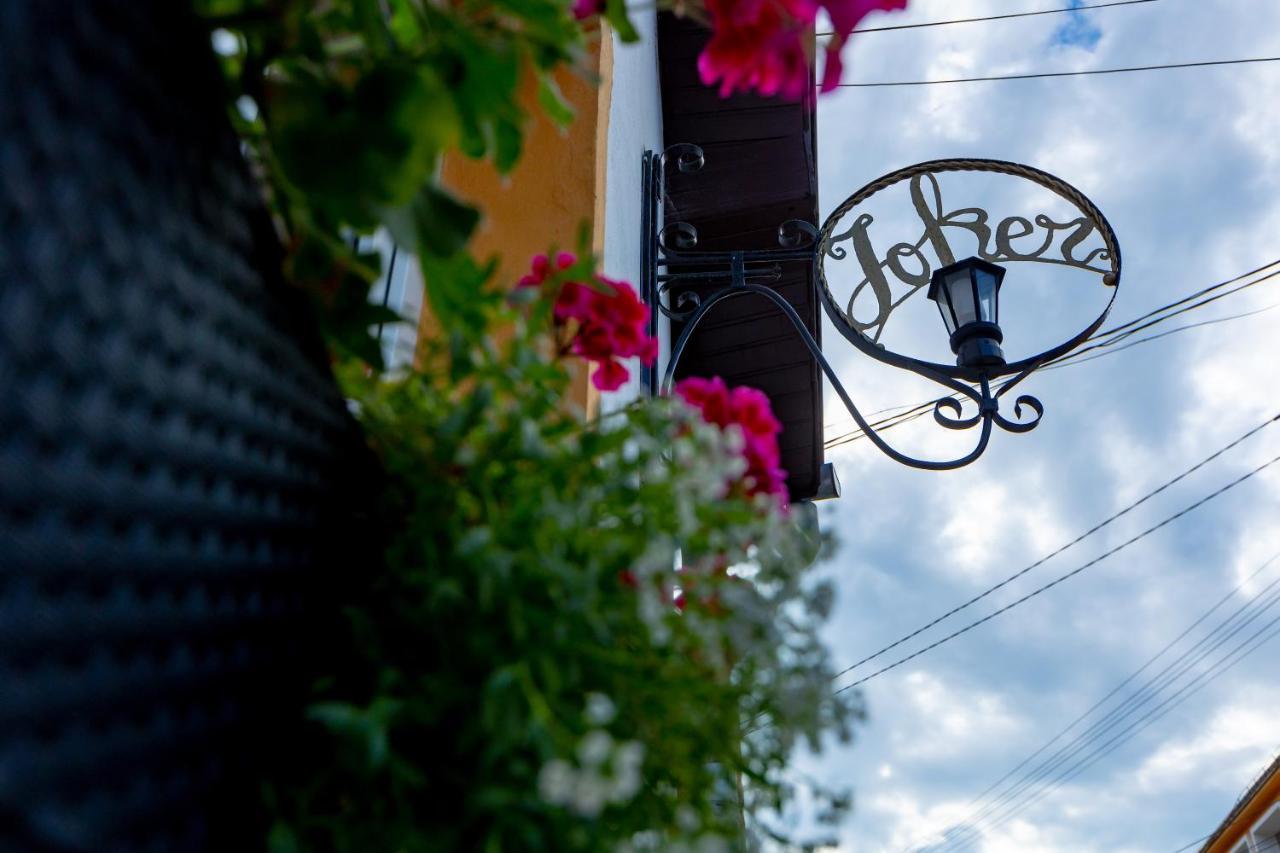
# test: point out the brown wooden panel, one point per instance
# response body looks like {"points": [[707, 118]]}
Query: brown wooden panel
{"points": [[760, 171]]}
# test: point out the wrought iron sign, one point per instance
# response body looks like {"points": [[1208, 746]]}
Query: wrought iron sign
{"points": [[861, 286]]}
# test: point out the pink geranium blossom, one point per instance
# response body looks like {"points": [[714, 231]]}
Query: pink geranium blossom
{"points": [[758, 45], [749, 410], [608, 324], [845, 16], [763, 45], [583, 9]]}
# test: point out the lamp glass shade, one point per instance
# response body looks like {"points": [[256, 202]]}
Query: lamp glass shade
{"points": [[960, 293], [967, 292], [945, 311], [988, 305]]}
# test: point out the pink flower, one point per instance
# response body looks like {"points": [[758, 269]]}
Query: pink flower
{"points": [[609, 375], [541, 268], [709, 396], [609, 324], [750, 410], [758, 45], [845, 16], [763, 45], [583, 9], [754, 412]]}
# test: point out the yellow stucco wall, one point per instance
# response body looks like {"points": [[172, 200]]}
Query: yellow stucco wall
{"points": [[556, 188]]}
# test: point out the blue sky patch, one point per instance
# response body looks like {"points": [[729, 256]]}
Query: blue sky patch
{"points": [[1078, 31]]}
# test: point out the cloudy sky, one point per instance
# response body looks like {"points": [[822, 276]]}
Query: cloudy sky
{"points": [[1186, 165]]}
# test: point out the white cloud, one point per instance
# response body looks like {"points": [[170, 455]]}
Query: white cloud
{"points": [[951, 721], [1185, 164], [986, 523], [1226, 751]]}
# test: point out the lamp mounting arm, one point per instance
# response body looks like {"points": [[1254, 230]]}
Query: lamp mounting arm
{"points": [[671, 257]]}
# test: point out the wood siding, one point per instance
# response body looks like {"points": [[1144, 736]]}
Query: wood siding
{"points": [[760, 171]]}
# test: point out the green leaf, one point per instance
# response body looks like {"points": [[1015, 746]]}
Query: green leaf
{"points": [[547, 25], [552, 100], [434, 221], [615, 12], [353, 150], [350, 321], [484, 79], [455, 288], [508, 142], [282, 839]]}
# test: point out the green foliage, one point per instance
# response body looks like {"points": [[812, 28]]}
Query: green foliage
{"points": [[353, 104], [615, 12], [521, 677], [512, 671]]}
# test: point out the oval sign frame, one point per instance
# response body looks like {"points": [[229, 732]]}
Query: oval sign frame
{"points": [[934, 369]]}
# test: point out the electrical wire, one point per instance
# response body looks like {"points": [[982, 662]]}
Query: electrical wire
{"points": [[1115, 336], [1097, 527], [1260, 603], [1203, 679], [974, 806], [1195, 843], [912, 413], [1192, 297], [919, 410], [1104, 339], [993, 17], [1062, 578], [1048, 74], [1216, 670], [1172, 331]]}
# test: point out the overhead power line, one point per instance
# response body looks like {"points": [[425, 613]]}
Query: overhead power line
{"points": [[1062, 578], [1105, 339], [1165, 334], [1047, 74], [1215, 670], [1003, 17], [1125, 683], [1113, 336], [1032, 787], [978, 813], [1097, 527], [1195, 843], [1204, 291]]}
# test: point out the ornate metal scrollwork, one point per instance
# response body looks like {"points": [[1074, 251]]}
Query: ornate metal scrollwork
{"points": [[678, 237], [796, 234], [956, 422], [747, 272], [688, 157], [995, 244], [1022, 426]]}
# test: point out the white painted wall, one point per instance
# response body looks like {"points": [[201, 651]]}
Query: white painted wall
{"points": [[635, 124]]}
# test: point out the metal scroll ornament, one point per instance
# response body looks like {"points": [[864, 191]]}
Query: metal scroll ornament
{"points": [[1039, 239], [1060, 243]]}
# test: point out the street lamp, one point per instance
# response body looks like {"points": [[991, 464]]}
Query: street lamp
{"points": [[968, 297]]}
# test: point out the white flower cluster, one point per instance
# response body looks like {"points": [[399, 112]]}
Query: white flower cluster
{"points": [[654, 602], [607, 772]]}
